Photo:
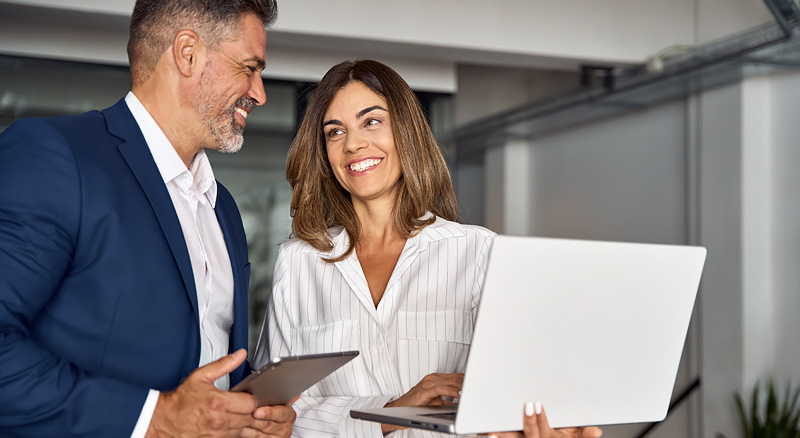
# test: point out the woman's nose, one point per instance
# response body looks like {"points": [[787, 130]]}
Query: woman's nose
{"points": [[355, 142]]}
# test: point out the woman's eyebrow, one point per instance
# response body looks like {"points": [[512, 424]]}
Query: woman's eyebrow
{"points": [[359, 115], [366, 110]]}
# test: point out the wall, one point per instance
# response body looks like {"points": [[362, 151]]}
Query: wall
{"points": [[485, 90], [720, 18], [619, 179]]}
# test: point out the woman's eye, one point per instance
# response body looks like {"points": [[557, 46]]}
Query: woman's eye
{"points": [[334, 132], [372, 122]]}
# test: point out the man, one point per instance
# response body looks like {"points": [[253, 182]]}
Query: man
{"points": [[123, 265]]}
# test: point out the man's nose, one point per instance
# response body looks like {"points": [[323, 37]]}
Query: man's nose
{"points": [[257, 91]]}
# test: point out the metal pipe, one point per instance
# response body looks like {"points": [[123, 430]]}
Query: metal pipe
{"points": [[786, 14]]}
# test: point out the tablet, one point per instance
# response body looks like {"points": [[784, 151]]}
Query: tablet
{"points": [[284, 378]]}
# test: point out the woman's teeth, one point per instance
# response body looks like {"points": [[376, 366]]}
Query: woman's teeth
{"points": [[364, 165]]}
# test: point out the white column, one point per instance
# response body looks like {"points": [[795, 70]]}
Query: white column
{"points": [[757, 219], [508, 188]]}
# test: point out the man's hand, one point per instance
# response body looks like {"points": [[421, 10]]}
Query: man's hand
{"points": [[198, 408], [271, 421], [536, 426]]}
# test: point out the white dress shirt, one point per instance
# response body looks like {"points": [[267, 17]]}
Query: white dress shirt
{"points": [[422, 325], [193, 192]]}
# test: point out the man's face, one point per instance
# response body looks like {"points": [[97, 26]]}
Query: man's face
{"points": [[230, 85]]}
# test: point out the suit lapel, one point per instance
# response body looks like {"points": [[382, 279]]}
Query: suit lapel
{"points": [[239, 331], [136, 153], [239, 283]]}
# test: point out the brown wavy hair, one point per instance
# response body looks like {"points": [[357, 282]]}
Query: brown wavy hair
{"points": [[319, 201]]}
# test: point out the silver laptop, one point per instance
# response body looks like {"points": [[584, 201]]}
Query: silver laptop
{"points": [[593, 330]]}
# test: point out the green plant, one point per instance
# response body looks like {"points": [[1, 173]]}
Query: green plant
{"points": [[775, 419]]}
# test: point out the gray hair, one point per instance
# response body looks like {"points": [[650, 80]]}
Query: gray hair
{"points": [[154, 24]]}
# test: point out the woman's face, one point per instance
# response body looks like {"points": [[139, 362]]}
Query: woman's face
{"points": [[360, 144]]}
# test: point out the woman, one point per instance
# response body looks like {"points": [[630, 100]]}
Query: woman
{"points": [[378, 262]]}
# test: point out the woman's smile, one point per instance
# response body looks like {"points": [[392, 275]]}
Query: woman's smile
{"points": [[363, 166]]}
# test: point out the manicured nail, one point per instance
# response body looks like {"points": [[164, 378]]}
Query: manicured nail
{"points": [[538, 408], [528, 409]]}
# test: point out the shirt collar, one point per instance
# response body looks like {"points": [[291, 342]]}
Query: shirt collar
{"points": [[169, 163], [204, 181], [438, 230]]}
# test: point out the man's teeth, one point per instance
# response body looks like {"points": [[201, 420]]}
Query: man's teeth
{"points": [[241, 111], [364, 165]]}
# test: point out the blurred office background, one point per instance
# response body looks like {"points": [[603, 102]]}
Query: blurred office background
{"points": [[664, 121]]}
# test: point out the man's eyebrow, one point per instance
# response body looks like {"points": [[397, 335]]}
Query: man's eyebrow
{"points": [[366, 110], [257, 59]]}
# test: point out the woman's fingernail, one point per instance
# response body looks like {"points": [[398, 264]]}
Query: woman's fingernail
{"points": [[538, 408], [528, 409]]}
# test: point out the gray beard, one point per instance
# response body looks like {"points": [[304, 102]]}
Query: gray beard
{"points": [[226, 132]]}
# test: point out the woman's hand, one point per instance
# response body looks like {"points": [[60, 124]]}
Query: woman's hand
{"points": [[536, 426], [428, 392]]}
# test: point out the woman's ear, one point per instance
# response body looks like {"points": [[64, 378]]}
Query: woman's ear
{"points": [[186, 51]]}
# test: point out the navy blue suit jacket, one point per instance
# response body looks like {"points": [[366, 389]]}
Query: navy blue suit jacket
{"points": [[97, 296]]}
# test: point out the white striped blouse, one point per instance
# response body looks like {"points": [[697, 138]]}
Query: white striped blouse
{"points": [[422, 325]]}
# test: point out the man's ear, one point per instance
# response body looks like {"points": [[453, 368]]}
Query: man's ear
{"points": [[187, 50]]}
